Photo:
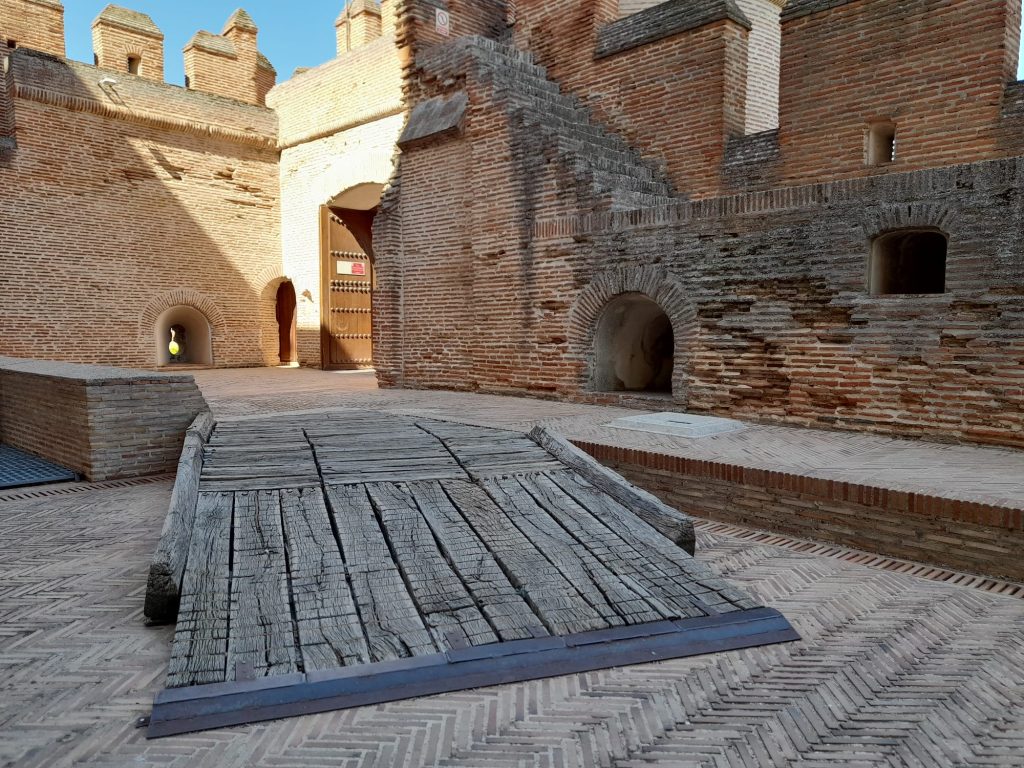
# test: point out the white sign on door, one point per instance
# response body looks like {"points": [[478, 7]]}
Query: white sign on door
{"points": [[351, 268]]}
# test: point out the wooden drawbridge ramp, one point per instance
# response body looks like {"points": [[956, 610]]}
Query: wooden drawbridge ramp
{"points": [[340, 559]]}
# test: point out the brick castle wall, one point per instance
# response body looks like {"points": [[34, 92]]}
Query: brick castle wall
{"points": [[937, 70], [118, 34], [130, 203]]}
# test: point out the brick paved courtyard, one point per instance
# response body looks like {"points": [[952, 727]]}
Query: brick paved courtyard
{"points": [[892, 670]]}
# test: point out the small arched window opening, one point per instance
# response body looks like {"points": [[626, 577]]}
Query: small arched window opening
{"points": [[12, 43], [907, 262], [881, 143], [134, 64], [634, 347]]}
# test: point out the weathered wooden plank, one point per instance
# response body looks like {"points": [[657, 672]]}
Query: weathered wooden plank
{"points": [[435, 449], [259, 484], [262, 634], [681, 568], [199, 651], [257, 447], [454, 429], [616, 602], [446, 605], [503, 606], [406, 462], [390, 619], [558, 603], [330, 633], [258, 472], [163, 586], [636, 561], [670, 522], [395, 475]]}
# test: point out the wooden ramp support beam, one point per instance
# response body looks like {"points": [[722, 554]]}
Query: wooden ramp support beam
{"points": [[669, 522], [163, 588], [199, 708]]}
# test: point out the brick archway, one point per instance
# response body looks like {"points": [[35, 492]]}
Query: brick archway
{"points": [[268, 281], [181, 297], [660, 287], [886, 218]]}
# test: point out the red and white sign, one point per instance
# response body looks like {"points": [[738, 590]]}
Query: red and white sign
{"points": [[443, 22], [351, 267]]}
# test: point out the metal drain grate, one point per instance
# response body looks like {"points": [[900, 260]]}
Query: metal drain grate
{"points": [[907, 567], [18, 469]]}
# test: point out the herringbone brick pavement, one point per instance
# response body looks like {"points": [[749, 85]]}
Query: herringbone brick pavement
{"points": [[892, 670]]}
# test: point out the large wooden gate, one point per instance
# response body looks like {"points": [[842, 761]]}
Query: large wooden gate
{"points": [[346, 290]]}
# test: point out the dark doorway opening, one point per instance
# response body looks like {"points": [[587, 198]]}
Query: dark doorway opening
{"points": [[634, 347], [286, 322]]}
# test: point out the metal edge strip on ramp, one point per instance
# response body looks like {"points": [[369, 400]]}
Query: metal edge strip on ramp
{"points": [[203, 707]]}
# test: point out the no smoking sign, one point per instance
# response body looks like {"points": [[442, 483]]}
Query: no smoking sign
{"points": [[443, 21]]}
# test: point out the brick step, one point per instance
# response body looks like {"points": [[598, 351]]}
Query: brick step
{"points": [[597, 157]]}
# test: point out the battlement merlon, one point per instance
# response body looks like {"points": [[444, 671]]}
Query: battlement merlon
{"points": [[230, 64], [36, 24], [128, 41], [361, 22]]}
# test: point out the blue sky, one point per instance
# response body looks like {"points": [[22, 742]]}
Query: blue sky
{"points": [[292, 34]]}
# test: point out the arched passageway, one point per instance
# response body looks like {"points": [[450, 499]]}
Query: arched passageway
{"points": [[634, 346], [183, 336], [347, 277]]}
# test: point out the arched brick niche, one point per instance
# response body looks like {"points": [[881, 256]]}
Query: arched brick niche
{"points": [[620, 325], [184, 310], [907, 248], [183, 336]]}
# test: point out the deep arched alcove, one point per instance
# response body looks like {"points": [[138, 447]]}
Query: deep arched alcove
{"points": [[634, 346], [196, 348]]}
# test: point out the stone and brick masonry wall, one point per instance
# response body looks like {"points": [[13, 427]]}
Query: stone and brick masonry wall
{"points": [[104, 423], [959, 534], [132, 198], [766, 291]]}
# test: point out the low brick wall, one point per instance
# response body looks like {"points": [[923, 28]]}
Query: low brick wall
{"points": [[104, 423], [959, 534]]}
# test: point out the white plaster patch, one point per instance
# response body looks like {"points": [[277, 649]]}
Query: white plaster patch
{"points": [[678, 424]]}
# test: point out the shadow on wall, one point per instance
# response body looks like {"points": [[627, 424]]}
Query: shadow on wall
{"points": [[143, 232]]}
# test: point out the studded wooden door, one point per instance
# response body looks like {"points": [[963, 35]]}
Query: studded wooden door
{"points": [[347, 286]]}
